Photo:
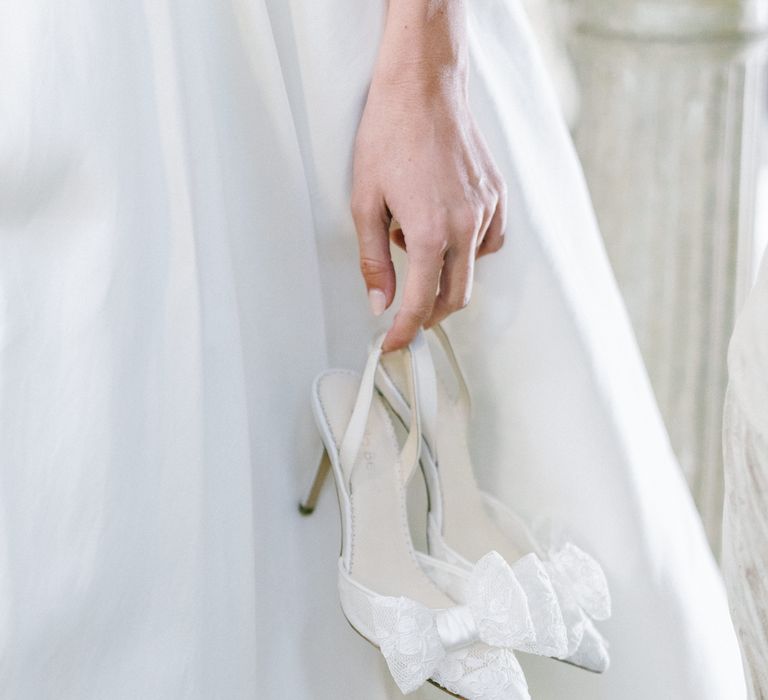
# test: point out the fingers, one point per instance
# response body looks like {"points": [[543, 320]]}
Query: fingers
{"points": [[455, 284], [494, 236], [440, 262], [419, 296], [375, 259]]}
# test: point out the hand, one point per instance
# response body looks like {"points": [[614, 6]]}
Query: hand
{"points": [[421, 165]]}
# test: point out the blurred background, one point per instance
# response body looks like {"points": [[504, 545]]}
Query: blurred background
{"points": [[666, 100]]}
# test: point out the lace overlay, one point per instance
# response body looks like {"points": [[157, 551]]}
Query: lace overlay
{"points": [[408, 636], [565, 591], [499, 604], [551, 637], [592, 651], [480, 672], [586, 578]]}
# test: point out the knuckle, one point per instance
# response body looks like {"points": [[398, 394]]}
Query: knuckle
{"points": [[495, 177], [460, 302], [413, 314], [491, 202], [489, 194], [372, 267], [432, 242], [467, 218]]}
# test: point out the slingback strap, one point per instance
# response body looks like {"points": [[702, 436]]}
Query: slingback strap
{"points": [[353, 436], [464, 395], [422, 396], [401, 403]]}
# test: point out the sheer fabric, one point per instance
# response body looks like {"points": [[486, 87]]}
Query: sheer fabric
{"points": [[177, 261]]}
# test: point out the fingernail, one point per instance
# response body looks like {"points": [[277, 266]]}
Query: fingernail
{"points": [[377, 301]]}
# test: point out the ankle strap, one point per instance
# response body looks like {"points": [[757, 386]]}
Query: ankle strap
{"points": [[464, 395], [422, 396]]}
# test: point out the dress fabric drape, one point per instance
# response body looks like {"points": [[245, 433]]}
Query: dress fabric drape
{"points": [[177, 261], [745, 436]]}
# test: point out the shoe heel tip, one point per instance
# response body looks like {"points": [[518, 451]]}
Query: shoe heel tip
{"points": [[306, 510]]}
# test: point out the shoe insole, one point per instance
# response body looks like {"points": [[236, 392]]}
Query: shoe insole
{"points": [[382, 557], [468, 528]]}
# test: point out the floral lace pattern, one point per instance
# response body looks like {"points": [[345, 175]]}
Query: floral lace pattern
{"points": [[415, 640], [586, 646], [551, 637], [499, 604], [408, 638], [592, 650], [419, 643], [585, 578], [584, 596], [483, 673], [563, 599], [409, 641]]}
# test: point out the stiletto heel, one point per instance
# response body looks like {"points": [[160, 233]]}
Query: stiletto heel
{"points": [[308, 503]]}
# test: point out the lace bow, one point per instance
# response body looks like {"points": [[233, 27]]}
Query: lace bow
{"points": [[573, 569], [416, 640]]}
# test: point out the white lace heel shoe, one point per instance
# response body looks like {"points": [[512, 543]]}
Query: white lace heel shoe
{"points": [[385, 594], [464, 522]]}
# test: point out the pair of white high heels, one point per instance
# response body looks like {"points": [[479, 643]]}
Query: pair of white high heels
{"points": [[455, 616]]}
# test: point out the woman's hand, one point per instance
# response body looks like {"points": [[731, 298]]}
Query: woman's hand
{"points": [[420, 160]]}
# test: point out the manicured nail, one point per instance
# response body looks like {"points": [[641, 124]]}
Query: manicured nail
{"points": [[377, 301]]}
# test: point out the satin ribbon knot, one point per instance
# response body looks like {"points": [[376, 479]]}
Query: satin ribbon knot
{"points": [[416, 640]]}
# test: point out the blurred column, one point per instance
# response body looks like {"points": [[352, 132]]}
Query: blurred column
{"points": [[668, 135], [551, 23]]}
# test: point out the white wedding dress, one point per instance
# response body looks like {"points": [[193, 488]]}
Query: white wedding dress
{"points": [[177, 261]]}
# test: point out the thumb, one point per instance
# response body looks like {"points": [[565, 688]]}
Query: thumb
{"points": [[375, 258]]}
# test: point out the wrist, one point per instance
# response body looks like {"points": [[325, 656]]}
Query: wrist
{"points": [[424, 49], [422, 81]]}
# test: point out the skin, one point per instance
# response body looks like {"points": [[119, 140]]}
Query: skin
{"points": [[423, 177]]}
